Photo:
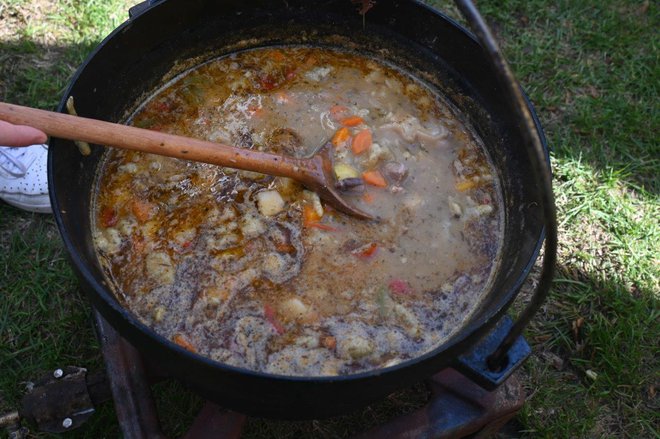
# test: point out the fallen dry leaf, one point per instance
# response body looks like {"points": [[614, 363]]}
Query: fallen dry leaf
{"points": [[542, 338], [593, 92], [553, 359], [577, 324]]}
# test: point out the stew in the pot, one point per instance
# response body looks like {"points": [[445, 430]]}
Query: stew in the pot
{"points": [[254, 271]]}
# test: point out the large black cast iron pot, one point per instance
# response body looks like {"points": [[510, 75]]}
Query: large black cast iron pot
{"points": [[164, 38]]}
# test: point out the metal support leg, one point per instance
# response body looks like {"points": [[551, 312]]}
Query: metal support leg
{"points": [[458, 408], [135, 407]]}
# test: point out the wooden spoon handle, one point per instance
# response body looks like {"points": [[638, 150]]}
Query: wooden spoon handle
{"points": [[121, 136]]}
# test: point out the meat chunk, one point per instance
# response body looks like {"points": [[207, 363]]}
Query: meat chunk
{"points": [[293, 309], [377, 154], [109, 240], [319, 73], [251, 336], [354, 347], [160, 268], [252, 226], [395, 172], [285, 141], [298, 360], [411, 130], [353, 340]]}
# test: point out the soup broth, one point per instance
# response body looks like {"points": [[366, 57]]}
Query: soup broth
{"points": [[255, 271]]}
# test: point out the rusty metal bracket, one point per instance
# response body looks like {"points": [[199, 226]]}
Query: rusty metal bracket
{"points": [[474, 364], [518, 104], [458, 408], [60, 401], [129, 382]]}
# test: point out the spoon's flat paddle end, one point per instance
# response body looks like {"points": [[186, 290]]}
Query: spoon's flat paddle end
{"points": [[325, 184]]}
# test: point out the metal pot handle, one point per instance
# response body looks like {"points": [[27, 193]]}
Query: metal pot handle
{"points": [[498, 360], [141, 7]]}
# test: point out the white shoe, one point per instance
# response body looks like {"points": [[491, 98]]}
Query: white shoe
{"points": [[24, 179]]}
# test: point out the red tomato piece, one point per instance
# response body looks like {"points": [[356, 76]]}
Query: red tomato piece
{"points": [[269, 314], [109, 216], [399, 286]]}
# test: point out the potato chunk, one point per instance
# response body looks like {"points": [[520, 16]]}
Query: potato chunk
{"points": [[270, 203], [159, 267], [293, 308], [354, 347]]}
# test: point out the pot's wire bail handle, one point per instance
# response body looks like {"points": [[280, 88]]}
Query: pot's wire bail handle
{"points": [[140, 8], [498, 359]]}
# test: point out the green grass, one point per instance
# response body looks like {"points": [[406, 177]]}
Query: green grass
{"points": [[592, 70], [44, 320]]}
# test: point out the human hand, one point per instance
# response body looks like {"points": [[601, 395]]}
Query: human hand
{"points": [[20, 135]]}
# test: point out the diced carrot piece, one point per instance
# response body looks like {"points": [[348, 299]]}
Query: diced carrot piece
{"points": [[361, 142], [311, 219], [269, 314], [341, 136], [322, 226], [310, 61], [277, 55], [352, 121], [338, 112], [368, 197], [329, 342], [366, 251], [143, 210], [465, 185], [109, 216], [309, 215], [182, 341], [374, 178]]}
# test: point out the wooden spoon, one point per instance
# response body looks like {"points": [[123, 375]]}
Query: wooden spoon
{"points": [[314, 172]]}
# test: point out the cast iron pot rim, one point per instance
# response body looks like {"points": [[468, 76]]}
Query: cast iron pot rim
{"points": [[468, 332]]}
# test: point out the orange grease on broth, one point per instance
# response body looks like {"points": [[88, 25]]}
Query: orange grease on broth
{"points": [[225, 260]]}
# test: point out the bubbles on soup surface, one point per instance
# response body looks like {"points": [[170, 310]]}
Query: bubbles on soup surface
{"points": [[254, 270]]}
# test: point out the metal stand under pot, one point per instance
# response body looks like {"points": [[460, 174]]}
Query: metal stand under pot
{"points": [[468, 68], [473, 403], [458, 406]]}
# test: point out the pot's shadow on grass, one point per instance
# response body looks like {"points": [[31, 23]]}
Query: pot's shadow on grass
{"points": [[593, 370]]}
